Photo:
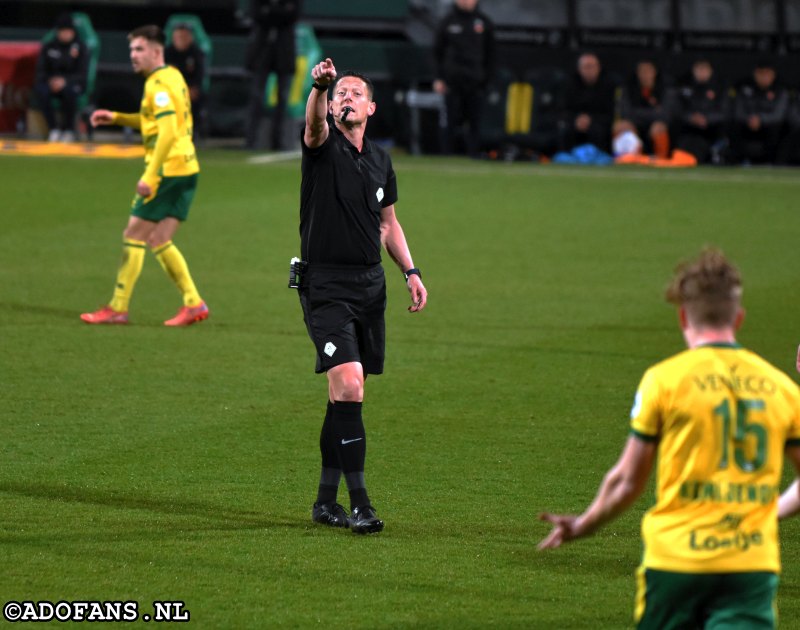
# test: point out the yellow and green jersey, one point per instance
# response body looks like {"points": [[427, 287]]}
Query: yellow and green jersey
{"points": [[722, 417], [166, 94]]}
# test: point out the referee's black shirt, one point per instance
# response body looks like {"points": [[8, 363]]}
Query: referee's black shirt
{"points": [[341, 197]]}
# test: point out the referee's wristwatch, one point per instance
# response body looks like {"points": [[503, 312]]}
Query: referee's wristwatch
{"points": [[412, 272]]}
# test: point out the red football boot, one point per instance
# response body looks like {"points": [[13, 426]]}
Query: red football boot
{"points": [[188, 315], [105, 315]]}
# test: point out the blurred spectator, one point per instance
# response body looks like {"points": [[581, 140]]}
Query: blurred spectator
{"points": [[270, 48], [589, 106], [645, 105], [61, 75], [184, 53], [702, 113], [464, 55], [760, 113]]}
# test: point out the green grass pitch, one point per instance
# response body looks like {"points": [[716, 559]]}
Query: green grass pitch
{"points": [[146, 463]]}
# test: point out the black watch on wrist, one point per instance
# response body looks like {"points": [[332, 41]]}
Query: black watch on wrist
{"points": [[321, 88], [412, 272]]}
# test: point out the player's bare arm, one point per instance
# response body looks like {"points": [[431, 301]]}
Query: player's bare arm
{"points": [[789, 503], [622, 485], [316, 131], [394, 241], [102, 117], [107, 117]]}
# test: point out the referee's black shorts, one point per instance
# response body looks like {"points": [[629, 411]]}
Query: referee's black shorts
{"points": [[343, 308]]}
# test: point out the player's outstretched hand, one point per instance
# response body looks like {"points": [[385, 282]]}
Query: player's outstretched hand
{"points": [[563, 530], [419, 295], [101, 117], [324, 73]]}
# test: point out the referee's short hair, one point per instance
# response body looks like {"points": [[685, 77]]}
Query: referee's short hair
{"points": [[150, 32], [357, 75]]}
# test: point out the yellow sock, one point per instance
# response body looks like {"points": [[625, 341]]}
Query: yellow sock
{"points": [[128, 273], [173, 262]]}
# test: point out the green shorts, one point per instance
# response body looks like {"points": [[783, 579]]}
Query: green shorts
{"points": [[734, 601], [172, 199]]}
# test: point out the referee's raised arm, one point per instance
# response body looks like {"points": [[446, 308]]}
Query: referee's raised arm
{"points": [[316, 132]]}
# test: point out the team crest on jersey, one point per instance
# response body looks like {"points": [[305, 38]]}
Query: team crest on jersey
{"points": [[162, 99], [478, 26], [379, 194]]}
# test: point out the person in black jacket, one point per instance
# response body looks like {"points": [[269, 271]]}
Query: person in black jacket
{"points": [[184, 53], [645, 105], [464, 53], [271, 48], [760, 113], [589, 106], [702, 112], [61, 74]]}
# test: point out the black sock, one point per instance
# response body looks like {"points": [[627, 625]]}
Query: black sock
{"points": [[331, 469], [351, 442]]}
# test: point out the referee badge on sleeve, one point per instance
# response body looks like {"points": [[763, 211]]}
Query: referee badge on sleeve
{"points": [[379, 194], [329, 349]]}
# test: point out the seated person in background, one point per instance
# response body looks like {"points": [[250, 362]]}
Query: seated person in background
{"points": [[759, 116], [61, 74], [645, 107], [184, 53], [589, 106], [702, 112]]}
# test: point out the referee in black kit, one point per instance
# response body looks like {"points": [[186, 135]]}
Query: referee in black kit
{"points": [[347, 201]]}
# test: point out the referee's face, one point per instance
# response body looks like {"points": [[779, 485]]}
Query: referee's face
{"points": [[352, 92]]}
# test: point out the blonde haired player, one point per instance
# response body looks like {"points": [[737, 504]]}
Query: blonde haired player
{"points": [[165, 190], [718, 419]]}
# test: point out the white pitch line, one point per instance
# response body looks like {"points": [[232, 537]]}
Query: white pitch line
{"points": [[271, 158]]}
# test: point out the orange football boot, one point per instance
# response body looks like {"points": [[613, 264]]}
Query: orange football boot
{"points": [[106, 315], [188, 315]]}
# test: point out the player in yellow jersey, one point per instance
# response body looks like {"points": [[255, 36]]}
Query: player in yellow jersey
{"points": [[165, 190], [718, 419]]}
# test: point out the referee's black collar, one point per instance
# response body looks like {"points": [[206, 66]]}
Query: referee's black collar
{"points": [[367, 148]]}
